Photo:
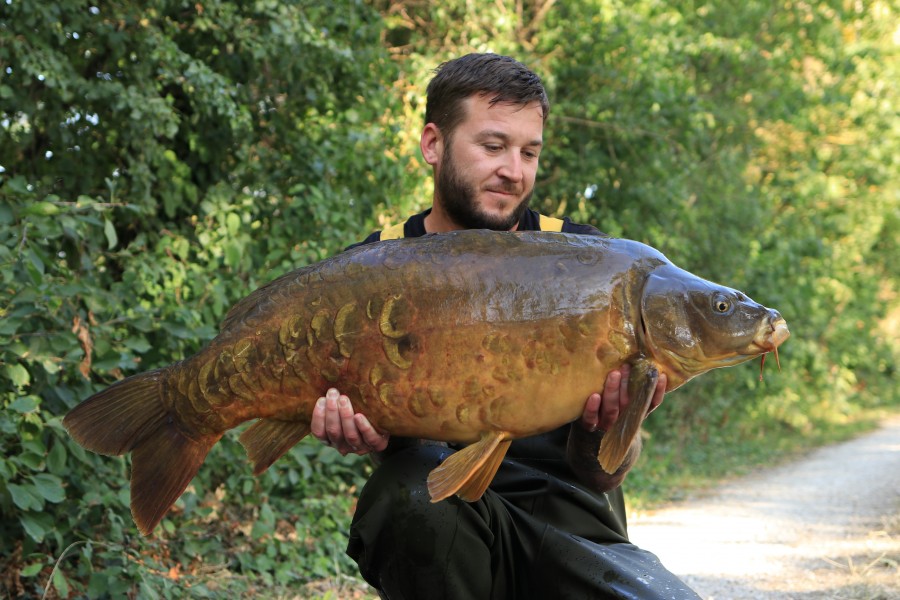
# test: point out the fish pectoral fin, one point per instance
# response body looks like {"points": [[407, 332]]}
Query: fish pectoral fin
{"points": [[616, 442], [468, 472], [268, 439], [476, 485]]}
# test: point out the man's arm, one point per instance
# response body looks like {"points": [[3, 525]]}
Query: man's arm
{"points": [[600, 413]]}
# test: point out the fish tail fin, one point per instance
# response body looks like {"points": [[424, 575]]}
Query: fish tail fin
{"points": [[130, 416], [114, 421], [268, 439], [161, 469], [469, 471], [617, 441]]}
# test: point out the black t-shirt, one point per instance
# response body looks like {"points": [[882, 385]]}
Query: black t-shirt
{"points": [[530, 221]]}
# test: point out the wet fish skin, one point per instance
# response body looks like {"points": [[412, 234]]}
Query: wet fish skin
{"points": [[474, 337]]}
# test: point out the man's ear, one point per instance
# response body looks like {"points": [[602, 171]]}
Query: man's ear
{"points": [[432, 144]]}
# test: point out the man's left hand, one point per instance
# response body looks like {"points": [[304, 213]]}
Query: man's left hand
{"points": [[602, 410]]}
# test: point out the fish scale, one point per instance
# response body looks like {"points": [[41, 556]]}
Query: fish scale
{"points": [[473, 337]]}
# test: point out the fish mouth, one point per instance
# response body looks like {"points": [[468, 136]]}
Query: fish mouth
{"points": [[776, 335], [773, 336]]}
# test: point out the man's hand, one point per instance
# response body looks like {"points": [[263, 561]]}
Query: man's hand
{"points": [[602, 411], [334, 424]]}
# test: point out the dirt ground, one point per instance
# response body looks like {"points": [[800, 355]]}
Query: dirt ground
{"points": [[826, 526]]}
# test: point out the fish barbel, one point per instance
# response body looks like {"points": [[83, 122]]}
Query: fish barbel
{"points": [[474, 337]]}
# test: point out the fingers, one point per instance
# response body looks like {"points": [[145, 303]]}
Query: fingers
{"points": [[371, 438], [335, 424], [610, 405], [589, 418], [601, 411]]}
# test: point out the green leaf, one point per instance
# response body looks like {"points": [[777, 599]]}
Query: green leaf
{"points": [[24, 404], [138, 343], [33, 527], [232, 254], [6, 468], [233, 223], [44, 209], [18, 375], [32, 569], [110, 231], [56, 459], [32, 460], [49, 486], [25, 497], [61, 583]]}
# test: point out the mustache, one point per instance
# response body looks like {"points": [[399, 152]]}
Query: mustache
{"points": [[505, 187]]}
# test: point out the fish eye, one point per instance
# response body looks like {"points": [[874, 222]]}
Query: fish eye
{"points": [[721, 304]]}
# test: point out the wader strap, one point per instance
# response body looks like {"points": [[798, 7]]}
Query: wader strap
{"points": [[394, 232], [550, 223]]}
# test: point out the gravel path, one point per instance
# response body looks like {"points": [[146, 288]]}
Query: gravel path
{"points": [[824, 527]]}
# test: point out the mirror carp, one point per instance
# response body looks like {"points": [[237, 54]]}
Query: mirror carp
{"points": [[474, 337]]}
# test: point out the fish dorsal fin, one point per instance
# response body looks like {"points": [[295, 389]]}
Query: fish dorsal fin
{"points": [[267, 439], [252, 301], [616, 442], [469, 471]]}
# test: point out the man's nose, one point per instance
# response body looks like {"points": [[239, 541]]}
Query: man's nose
{"points": [[511, 168]]}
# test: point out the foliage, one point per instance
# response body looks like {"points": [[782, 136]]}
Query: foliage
{"points": [[159, 160]]}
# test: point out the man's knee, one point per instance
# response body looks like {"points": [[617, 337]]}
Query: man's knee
{"points": [[395, 510], [402, 541], [400, 481]]}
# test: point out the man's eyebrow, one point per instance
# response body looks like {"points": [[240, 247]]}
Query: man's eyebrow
{"points": [[504, 137]]}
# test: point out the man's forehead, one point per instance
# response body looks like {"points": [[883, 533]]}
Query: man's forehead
{"points": [[487, 104]]}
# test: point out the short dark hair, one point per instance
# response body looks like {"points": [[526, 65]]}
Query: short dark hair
{"points": [[502, 78]]}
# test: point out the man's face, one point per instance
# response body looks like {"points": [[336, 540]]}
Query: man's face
{"points": [[487, 169]]}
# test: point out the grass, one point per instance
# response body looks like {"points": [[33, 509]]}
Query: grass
{"points": [[679, 466]]}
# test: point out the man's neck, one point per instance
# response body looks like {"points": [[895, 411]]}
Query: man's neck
{"points": [[438, 221]]}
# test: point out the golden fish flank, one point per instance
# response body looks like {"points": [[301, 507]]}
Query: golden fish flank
{"points": [[430, 351]]}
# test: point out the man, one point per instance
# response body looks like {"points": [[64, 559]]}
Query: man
{"points": [[552, 523]]}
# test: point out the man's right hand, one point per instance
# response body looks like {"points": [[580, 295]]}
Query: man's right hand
{"points": [[335, 424]]}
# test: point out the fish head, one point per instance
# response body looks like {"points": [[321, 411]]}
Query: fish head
{"points": [[691, 325]]}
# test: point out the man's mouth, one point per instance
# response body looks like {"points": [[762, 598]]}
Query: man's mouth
{"points": [[506, 191]]}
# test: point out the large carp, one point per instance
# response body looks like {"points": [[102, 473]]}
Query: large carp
{"points": [[473, 336]]}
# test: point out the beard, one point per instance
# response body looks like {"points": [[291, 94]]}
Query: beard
{"points": [[458, 198]]}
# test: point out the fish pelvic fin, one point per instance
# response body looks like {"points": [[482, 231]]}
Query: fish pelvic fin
{"points": [[268, 439], [468, 472], [616, 442]]}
